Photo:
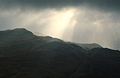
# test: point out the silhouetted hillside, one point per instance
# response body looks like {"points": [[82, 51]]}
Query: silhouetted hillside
{"points": [[25, 55], [101, 63]]}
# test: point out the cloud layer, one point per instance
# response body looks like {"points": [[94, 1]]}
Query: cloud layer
{"points": [[99, 4], [84, 21]]}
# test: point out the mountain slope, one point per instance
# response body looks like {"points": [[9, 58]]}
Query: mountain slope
{"points": [[25, 55], [101, 63]]}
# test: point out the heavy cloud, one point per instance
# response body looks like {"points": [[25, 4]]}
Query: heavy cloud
{"points": [[84, 21], [99, 4]]}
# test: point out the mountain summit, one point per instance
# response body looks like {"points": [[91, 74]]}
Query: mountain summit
{"points": [[25, 55], [15, 32]]}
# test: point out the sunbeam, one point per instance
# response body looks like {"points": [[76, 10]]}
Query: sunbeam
{"points": [[59, 22]]}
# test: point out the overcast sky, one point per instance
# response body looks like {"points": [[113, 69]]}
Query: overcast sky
{"points": [[82, 21]]}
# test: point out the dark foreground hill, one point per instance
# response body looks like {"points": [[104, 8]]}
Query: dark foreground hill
{"points": [[24, 55]]}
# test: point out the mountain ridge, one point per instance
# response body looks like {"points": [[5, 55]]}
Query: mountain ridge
{"points": [[25, 55]]}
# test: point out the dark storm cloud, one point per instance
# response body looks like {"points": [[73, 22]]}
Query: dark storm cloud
{"points": [[89, 20], [99, 4]]}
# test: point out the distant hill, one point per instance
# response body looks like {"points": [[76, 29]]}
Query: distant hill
{"points": [[25, 55], [89, 46]]}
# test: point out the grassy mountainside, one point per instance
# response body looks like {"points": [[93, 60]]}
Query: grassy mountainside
{"points": [[24, 55]]}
